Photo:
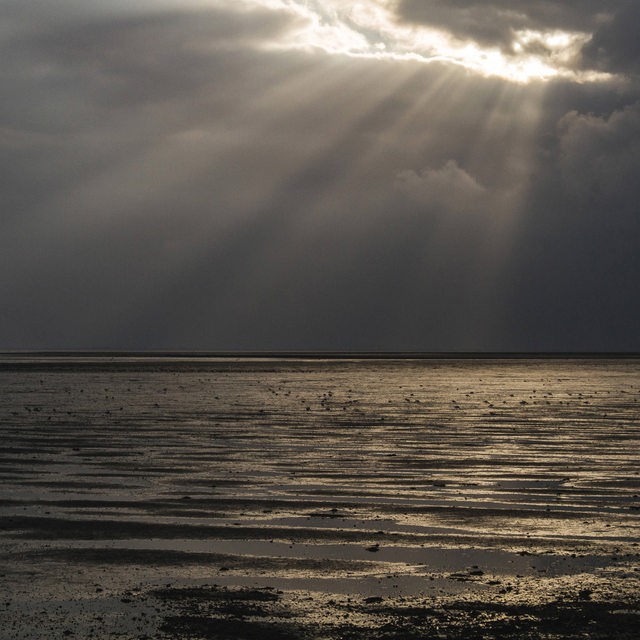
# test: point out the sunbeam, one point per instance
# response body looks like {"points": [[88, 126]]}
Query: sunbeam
{"points": [[269, 173]]}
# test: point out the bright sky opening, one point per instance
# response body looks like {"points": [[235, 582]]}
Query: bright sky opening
{"points": [[370, 29]]}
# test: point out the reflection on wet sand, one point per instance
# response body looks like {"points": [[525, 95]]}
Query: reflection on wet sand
{"points": [[353, 491]]}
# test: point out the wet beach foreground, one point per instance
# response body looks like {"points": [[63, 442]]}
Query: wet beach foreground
{"points": [[320, 499]]}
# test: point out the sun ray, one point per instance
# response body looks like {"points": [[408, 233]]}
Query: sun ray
{"points": [[372, 106]]}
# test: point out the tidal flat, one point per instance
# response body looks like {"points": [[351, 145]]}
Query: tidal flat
{"points": [[396, 499]]}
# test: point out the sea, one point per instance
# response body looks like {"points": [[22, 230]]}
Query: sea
{"points": [[484, 432]]}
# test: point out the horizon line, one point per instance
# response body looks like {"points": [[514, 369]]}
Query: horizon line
{"points": [[314, 354]]}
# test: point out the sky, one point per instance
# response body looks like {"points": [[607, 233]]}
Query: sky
{"points": [[273, 175]]}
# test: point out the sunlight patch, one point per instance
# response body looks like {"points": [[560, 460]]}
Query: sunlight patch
{"points": [[369, 29]]}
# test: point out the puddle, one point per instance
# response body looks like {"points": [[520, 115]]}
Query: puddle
{"points": [[421, 559]]}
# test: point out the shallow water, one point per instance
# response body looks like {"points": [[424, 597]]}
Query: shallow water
{"points": [[354, 470]]}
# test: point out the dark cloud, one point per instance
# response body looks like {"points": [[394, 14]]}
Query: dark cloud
{"points": [[493, 22], [577, 259], [574, 15], [615, 46]]}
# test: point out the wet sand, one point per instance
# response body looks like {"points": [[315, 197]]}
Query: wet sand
{"points": [[319, 499]]}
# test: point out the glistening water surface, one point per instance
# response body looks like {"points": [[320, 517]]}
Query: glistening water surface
{"points": [[376, 478]]}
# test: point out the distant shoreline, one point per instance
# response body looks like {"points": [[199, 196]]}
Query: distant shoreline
{"points": [[17, 356]]}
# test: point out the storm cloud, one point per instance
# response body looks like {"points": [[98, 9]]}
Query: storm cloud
{"points": [[614, 45], [495, 21], [197, 175]]}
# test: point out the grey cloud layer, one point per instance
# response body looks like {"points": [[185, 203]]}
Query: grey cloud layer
{"points": [[580, 258], [615, 46], [167, 184], [571, 15]]}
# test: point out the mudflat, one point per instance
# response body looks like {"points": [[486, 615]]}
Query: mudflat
{"points": [[335, 499]]}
